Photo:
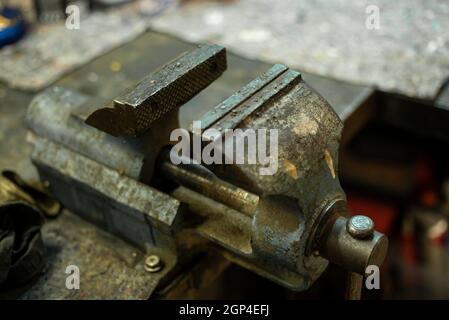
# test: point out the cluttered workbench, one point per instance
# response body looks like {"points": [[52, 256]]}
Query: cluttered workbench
{"points": [[101, 79], [72, 241]]}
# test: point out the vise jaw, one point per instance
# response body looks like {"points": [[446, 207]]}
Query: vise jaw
{"points": [[117, 172]]}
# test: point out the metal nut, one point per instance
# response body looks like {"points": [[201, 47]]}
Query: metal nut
{"points": [[360, 227], [153, 263]]}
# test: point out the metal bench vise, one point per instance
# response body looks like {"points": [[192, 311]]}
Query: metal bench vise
{"points": [[113, 166]]}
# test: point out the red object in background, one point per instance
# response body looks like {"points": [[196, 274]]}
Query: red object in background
{"points": [[381, 212], [428, 198], [424, 172], [426, 183], [408, 248]]}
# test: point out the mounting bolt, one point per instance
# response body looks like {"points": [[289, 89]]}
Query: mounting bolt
{"points": [[360, 227], [153, 263]]}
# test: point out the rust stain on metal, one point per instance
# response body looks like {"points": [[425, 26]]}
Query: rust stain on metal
{"points": [[291, 169], [305, 126], [330, 163]]}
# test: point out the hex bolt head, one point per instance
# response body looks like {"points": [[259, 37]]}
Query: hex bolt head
{"points": [[153, 263], [360, 227]]}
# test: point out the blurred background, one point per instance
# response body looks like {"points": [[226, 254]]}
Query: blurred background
{"points": [[382, 65]]}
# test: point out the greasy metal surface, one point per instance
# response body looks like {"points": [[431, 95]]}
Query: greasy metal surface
{"points": [[286, 215], [306, 181], [407, 53], [200, 179], [309, 133], [161, 92], [351, 253], [262, 97], [222, 225], [108, 267], [53, 114], [287, 211], [114, 202], [237, 98]]}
